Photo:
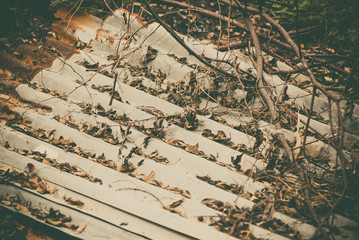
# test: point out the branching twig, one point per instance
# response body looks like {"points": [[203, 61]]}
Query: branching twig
{"points": [[113, 88], [180, 41], [274, 113]]}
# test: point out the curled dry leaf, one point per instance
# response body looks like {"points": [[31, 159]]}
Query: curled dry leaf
{"points": [[69, 225], [174, 210], [21, 207], [53, 222], [176, 143], [186, 194], [176, 203], [4, 168], [6, 202], [81, 228], [150, 177], [74, 201], [30, 168], [41, 188], [51, 189], [192, 148]]}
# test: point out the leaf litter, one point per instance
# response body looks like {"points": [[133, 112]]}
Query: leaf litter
{"points": [[29, 179]]}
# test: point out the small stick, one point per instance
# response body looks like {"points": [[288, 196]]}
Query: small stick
{"points": [[113, 88]]}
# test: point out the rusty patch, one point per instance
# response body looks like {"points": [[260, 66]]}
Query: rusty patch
{"points": [[74, 20], [63, 48], [18, 67], [35, 55], [63, 34], [100, 33]]}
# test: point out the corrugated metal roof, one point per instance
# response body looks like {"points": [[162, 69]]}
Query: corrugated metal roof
{"points": [[136, 164]]}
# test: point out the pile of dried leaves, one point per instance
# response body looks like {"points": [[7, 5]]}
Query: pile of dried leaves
{"points": [[235, 220], [230, 187], [123, 166], [51, 216], [65, 166], [187, 119], [104, 132], [28, 179]]}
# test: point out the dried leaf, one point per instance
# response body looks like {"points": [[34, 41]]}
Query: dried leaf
{"points": [[4, 168], [53, 222], [176, 203], [69, 225], [30, 168], [41, 188], [6, 202], [41, 111], [81, 228], [176, 142], [192, 148], [5, 97], [51, 189], [150, 177], [73, 201], [213, 203], [186, 194], [21, 208], [175, 190]]}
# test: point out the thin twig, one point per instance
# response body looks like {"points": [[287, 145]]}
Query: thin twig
{"points": [[274, 113], [183, 44], [113, 88]]}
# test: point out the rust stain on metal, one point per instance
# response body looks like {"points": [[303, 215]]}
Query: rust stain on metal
{"points": [[100, 33], [66, 50], [62, 34], [36, 56], [21, 68], [73, 21]]}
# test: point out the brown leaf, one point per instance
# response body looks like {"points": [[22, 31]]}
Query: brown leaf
{"points": [[175, 190], [176, 142], [125, 167], [34, 180], [186, 194], [46, 162], [21, 208], [51, 189], [176, 203], [81, 228], [66, 141], [41, 188], [4, 168], [53, 222], [73, 201], [207, 133], [150, 177], [220, 136], [6, 202], [173, 210], [192, 148], [69, 225], [5, 97], [213, 203], [41, 111], [30, 168]]}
